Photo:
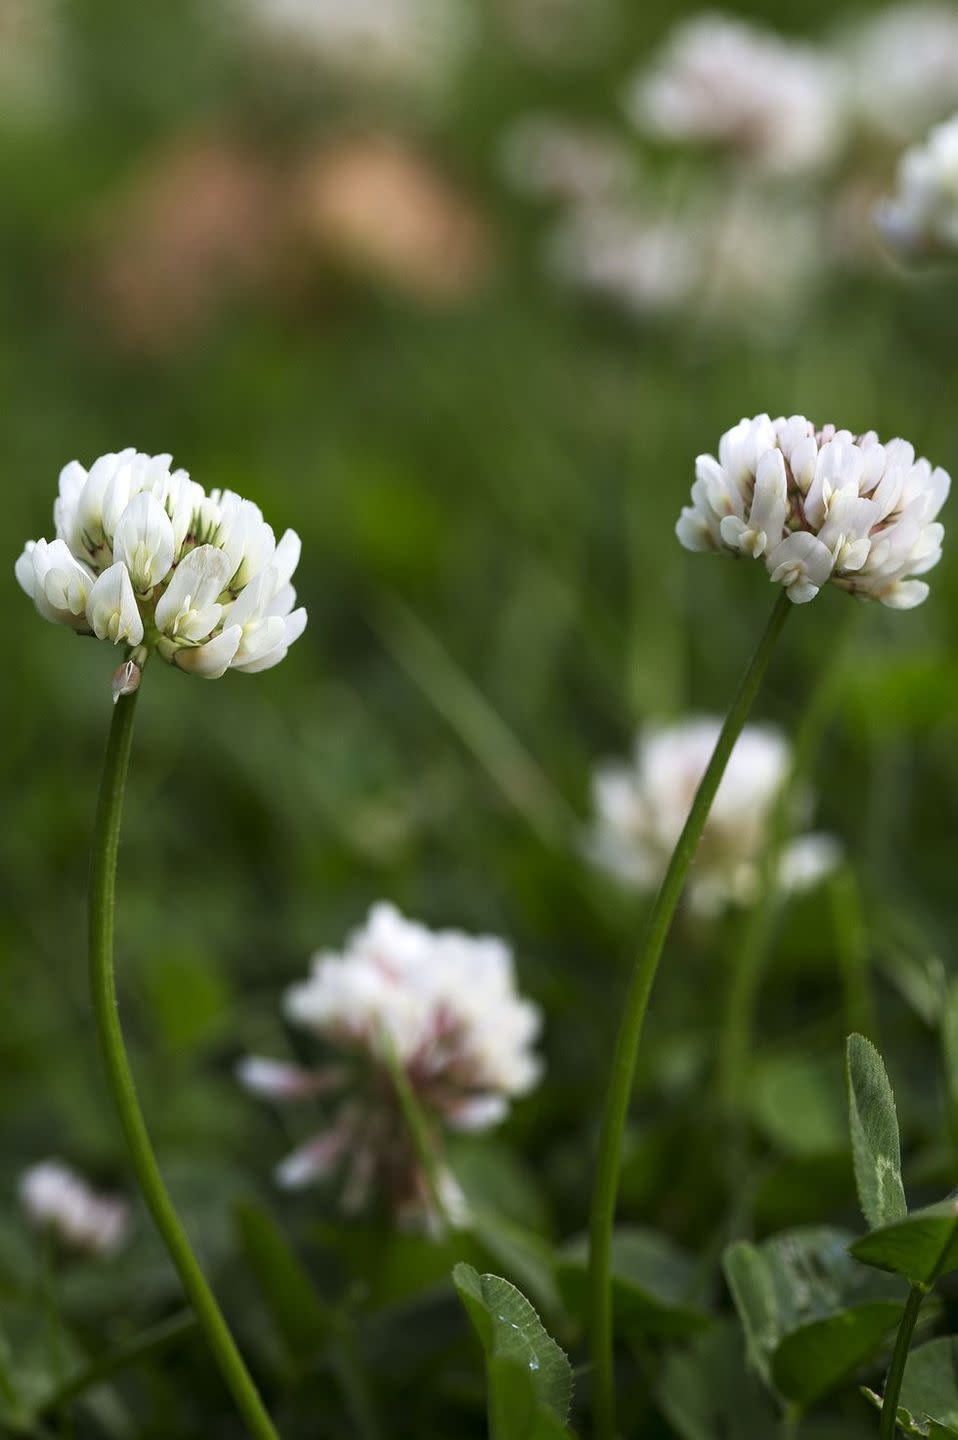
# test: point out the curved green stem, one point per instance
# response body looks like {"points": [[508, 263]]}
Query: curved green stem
{"points": [[106, 837], [625, 1053], [896, 1370]]}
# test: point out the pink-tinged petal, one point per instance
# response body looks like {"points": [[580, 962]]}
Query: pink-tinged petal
{"points": [[479, 1112], [281, 1080], [314, 1160]]}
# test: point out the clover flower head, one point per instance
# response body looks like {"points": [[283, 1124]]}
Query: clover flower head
{"points": [[60, 1203], [922, 217], [143, 557], [412, 42], [820, 505], [648, 264], [552, 157], [774, 103], [441, 1004], [901, 67], [640, 809]]}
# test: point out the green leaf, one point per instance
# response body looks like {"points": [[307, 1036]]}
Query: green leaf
{"points": [[800, 1295], [523, 1254], [706, 1393], [921, 1247], [297, 1311], [928, 1402], [819, 1357], [529, 1376], [798, 1102], [653, 1283], [874, 1128]]}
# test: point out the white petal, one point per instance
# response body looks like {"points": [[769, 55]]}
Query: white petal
{"points": [[111, 607], [144, 541], [212, 659], [187, 609], [286, 557], [905, 595]]}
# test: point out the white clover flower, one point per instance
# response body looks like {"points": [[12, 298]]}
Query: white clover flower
{"points": [[59, 1202], [775, 103], [819, 506], [417, 43], [445, 1006], [649, 264], [902, 69], [922, 217], [640, 810], [730, 258], [33, 70], [145, 558], [551, 157]]}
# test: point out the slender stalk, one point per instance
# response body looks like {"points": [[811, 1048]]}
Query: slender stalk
{"points": [[851, 948], [896, 1370], [625, 1053], [791, 1422], [418, 1127], [758, 928], [106, 837], [126, 1355]]}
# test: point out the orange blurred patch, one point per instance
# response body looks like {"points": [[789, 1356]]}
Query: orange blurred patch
{"points": [[200, 222], [377, 207]]}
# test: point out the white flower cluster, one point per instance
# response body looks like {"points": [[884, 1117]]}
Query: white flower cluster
{"points": [[144, 557], [820, 505], [445, 1005], [922, 218], [641, 809], [720, 80], [59, 1202], [901, 65]]}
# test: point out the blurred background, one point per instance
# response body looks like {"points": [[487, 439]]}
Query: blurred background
{"points": [[416, 277]]}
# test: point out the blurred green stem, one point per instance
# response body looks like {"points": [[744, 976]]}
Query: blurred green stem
{"points": [[106, 837], [755, 937], [851, 945], [896, 1370], [423, 1142], [625, 1054]]}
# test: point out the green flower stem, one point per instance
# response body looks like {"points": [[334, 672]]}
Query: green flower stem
{"points": [[896, 1370], [625, 1054], [851, 947], [106, 837], [755, 938], [417, 1125]]}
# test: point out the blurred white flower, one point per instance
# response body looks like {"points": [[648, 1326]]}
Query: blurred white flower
{"points": [[33, 72], [57, 1201], [640, 810], [902, 69], [820, 505], [730, 258], [922, 217], [145, 558], [410, 42], [445, 1006], [774, 102], [553, 158], [648, 264]]}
